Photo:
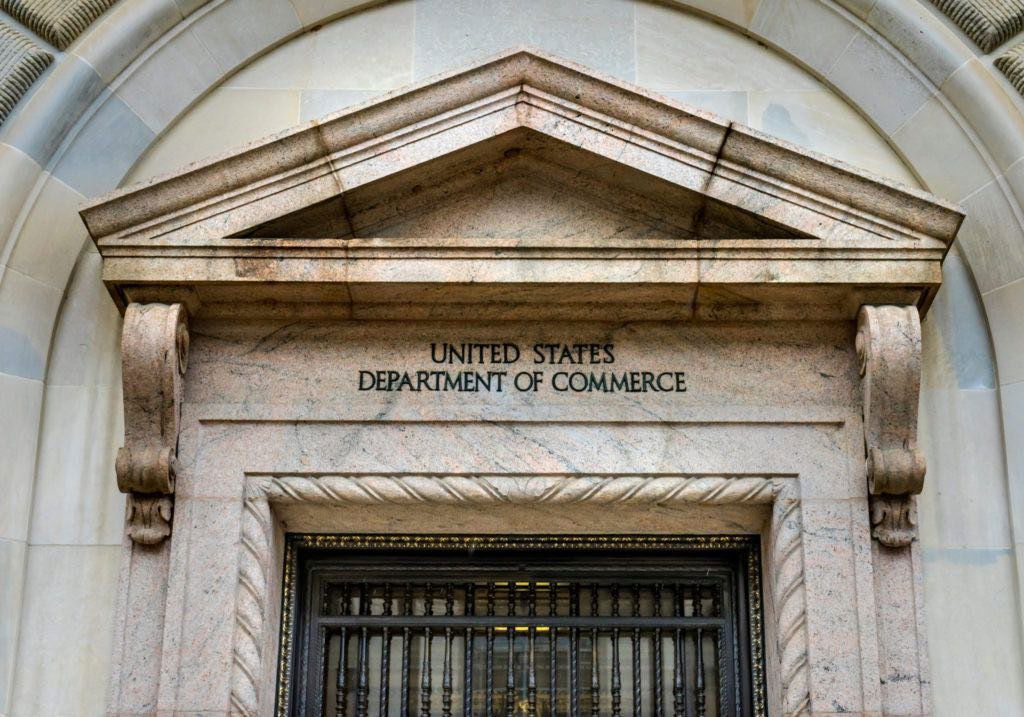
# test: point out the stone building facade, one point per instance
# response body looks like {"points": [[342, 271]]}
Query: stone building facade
{"points": [[288, 282]]}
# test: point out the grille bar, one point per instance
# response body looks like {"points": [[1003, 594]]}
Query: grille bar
{"points": [[608, 635], [612, 635]]}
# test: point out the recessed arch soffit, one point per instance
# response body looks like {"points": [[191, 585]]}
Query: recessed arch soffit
{"points": [[990, 25]]}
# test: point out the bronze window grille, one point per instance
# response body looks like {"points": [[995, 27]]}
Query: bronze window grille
{"points": [[537, 626]]}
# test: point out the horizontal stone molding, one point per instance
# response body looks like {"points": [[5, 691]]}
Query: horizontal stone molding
{"points": [[785, 552]]}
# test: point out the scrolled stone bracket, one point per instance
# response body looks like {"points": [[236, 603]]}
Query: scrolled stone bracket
{"points": [[889, 350], [154, 357]]}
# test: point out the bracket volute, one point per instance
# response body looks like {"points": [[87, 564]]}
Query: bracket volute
{"points": [[889, 350], [154, 357]]}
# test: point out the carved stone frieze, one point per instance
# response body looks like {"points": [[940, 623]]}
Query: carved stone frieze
{"points": [[154, 356], [889, 349]]}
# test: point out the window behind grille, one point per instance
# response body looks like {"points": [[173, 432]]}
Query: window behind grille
{"points": [[533, 626]]}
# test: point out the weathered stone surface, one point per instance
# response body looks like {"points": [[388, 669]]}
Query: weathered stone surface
{"points": [[889, 350], [58, 21], [636, 198], [987, 22], [1011, 64], [536, 205], [154, 356], [21, 62]]}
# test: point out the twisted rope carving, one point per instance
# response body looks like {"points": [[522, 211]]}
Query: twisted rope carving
{"points": [[787, 559], [484, 490], [786, 548], [251, 602]]}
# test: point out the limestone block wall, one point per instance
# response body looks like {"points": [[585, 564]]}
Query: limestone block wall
{"points": [[893, 86]]}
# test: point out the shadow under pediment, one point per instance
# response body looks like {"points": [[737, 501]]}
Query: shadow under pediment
{"points": [[522, 185]]}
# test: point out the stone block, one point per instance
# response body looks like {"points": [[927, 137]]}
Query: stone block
{"points": [[957, 345], [52, 235], [226, 117], [28, 309], [735, 12], [67, 629], [20, 408], [75, 500], [127, 31], [965, 491], [169, 80], [988, 110], [86, 342], [108, 144], [784, 23], [924, 39], [1003, 309], [236, 30], [992, 238], [12, 567], [680, 52], [17, 179], [453, 33], [933, 141], [349, 55], [972, 600], [876, 79]]}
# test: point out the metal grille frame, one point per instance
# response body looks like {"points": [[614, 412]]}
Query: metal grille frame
{"points": [[309, 554]]}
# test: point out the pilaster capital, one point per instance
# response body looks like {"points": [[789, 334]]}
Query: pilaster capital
{"points": [[889, 350], [154, 357]]}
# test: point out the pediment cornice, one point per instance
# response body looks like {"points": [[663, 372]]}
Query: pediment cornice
{"points": [[805, 229]]}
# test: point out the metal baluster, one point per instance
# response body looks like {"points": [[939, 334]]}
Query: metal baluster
{"points": [[659, 707], [490, 652], [510, 676], [716, 611], [428, 610], [637, 693], [406, 640], [340, 703], [616, 670], [553, 636], [698, 611], [339, 697], [385, 656], [595, 684], [446, 677], [363, 688], [574, 652], [531, 678], [467, 680], [679, 675]]}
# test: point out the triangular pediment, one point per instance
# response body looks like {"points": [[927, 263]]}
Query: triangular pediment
{"points": [[522, 185], [513, 157]]}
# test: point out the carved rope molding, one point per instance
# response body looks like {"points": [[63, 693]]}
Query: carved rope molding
{"points": [[785, 552], [889, 349], [154, 357]]}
